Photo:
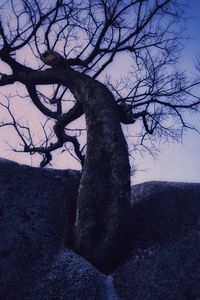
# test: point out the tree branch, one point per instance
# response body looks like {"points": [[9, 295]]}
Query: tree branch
{"points": [[7, 79], [36, 100]]}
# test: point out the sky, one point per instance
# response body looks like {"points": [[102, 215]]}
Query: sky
{"points": [[175, 162], [179, 162]]}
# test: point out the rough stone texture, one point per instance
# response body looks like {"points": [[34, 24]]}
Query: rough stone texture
{"points": [[165, 260], [37, 210], [169, 271], [162, 211], [69, 276]]}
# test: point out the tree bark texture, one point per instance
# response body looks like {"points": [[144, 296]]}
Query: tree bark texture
{"points": [[103, 205]]}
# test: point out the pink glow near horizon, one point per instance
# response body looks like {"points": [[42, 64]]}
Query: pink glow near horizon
{"points": [[176, 162]]}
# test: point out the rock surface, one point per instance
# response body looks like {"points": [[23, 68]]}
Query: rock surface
{"points": [[37, 210], [165, 260], [37, 262]]}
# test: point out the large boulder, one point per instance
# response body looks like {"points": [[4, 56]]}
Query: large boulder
{"points": [[164, 211], [165, 258], [37, 214], [68, 276], [37, 210], [37, 260]]}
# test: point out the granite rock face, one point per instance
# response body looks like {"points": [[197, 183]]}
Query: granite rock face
{"points": [[69, 276], [170, 271], [37, 210], [164, 211], [37, 261], [165, 258]]}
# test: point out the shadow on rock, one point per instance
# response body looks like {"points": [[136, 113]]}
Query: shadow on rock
{"points": [[163, 211]]}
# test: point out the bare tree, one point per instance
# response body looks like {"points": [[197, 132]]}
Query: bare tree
{"points": [[79, 41]]}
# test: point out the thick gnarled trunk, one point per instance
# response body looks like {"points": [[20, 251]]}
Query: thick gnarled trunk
{"points": [[103, 207], [103, 204]]}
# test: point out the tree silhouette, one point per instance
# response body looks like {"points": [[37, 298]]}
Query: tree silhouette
{"points": [[68, 46]]}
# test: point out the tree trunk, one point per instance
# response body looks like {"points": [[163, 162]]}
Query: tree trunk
{"points": [[103, 206]]}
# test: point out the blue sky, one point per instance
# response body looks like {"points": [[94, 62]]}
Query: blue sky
{"points": [[175, 162], [179, 162]]}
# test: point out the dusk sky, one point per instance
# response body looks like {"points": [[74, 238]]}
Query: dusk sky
{"points": [[180, 162], [175, 162]]}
